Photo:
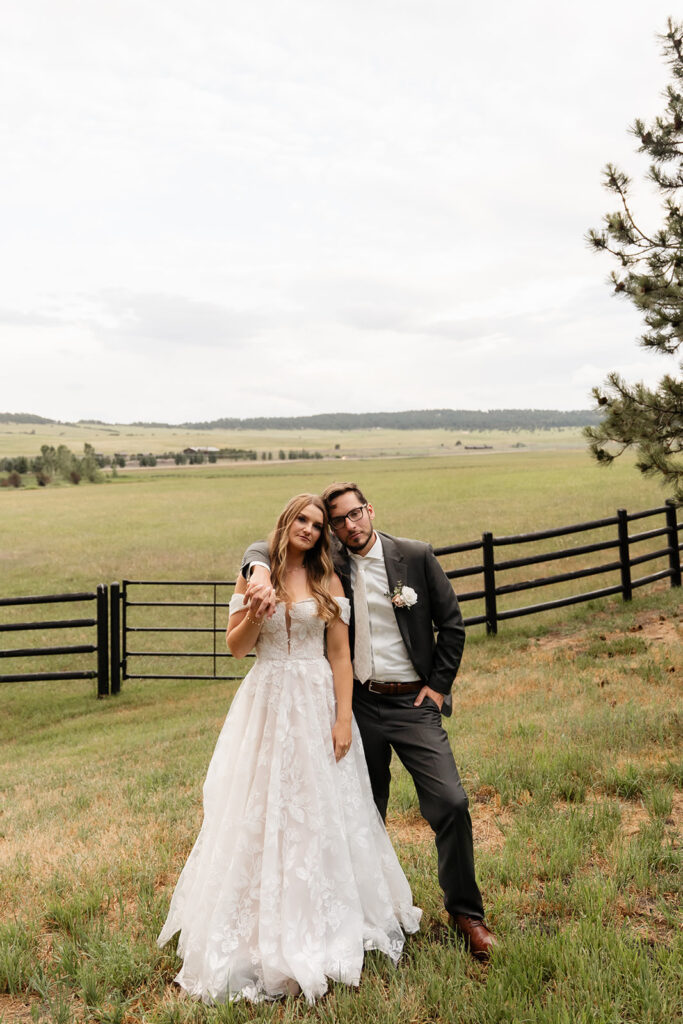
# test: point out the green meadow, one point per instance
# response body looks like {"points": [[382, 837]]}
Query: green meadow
{"points": [[27, 439], [567, 732], [193, 522]]}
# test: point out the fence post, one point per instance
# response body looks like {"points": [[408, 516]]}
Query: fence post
{"points": [[674, 553], [115, 636], [490, 585], [624, 555], [102, 641], [124, 633], [214, 628]]}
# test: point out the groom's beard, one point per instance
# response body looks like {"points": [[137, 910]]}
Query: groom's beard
{"points": [[360, 543]]}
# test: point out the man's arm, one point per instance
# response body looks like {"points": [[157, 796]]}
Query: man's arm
{"points": [[256, 552], [256, 571], [448, 622]]}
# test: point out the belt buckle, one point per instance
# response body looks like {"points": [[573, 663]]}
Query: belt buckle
{"points": [[371, 687]]}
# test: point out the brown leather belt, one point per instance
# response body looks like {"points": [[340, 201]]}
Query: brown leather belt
{"points": [[389, 689]]}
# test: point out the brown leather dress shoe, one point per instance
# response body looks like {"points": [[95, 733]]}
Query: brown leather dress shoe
{"points": [[479, 940]]}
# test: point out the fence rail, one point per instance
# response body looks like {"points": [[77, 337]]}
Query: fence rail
{"points": [[126, 621], [130, 632], [100, 621], [490, 568]]}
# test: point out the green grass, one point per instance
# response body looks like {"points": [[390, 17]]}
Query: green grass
{"points": [[576, 802], [26, 439], [182, 524], [194, 525], [567, 733]]}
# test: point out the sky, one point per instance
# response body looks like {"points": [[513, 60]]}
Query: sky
{"points": [[288, 207]]}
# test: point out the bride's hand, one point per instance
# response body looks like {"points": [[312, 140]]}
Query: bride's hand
{"points": [[341, 739], [260, 598]]}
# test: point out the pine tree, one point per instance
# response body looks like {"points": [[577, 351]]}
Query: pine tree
{"points": [[650, 275]]}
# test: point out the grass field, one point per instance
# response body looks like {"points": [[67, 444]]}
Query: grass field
{"points": [[569, 746], [194, 522], [567, 732], [24, 439]]}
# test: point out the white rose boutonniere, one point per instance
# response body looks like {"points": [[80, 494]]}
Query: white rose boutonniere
{"points": [[402, 596]]}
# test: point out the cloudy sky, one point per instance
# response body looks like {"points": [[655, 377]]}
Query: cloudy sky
{"points": [[211, 208]]}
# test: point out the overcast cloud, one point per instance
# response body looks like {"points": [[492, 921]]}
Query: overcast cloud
{"points": [[213, 209]]}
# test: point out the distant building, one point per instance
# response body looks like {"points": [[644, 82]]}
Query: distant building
{"points": [[208, 450]]}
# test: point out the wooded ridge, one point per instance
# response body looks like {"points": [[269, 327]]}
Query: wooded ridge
{"points": [[416, 419]]}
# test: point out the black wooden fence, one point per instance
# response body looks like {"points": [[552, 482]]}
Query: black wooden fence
{"points": [[623, 561], [177, 617], [97, 644]]}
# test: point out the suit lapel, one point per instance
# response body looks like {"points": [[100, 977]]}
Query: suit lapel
{"points": [[342, 566], [395, 565]]}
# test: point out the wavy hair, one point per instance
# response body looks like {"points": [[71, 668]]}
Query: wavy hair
{"points": [[317, 561]]}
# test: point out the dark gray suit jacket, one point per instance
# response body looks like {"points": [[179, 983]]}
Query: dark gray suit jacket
{"points": [[412, 563]]}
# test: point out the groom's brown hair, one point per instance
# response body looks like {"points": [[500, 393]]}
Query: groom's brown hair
{"points": [[334, 491]]}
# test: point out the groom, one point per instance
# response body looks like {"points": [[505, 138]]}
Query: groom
{"points": [[403, 677]]}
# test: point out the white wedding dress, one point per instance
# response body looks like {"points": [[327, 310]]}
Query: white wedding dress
{"points": [[293, 875]]}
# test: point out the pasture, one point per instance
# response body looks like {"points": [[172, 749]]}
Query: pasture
{"points": [[566, 730], [26, 439], [194, 522]]}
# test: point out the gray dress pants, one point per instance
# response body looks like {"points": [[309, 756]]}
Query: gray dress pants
{"points": [[421, 743]]}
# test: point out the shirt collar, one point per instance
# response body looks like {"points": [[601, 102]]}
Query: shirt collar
{"points": [[375, 552]]}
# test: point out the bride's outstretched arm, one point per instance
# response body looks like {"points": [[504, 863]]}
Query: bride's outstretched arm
{"points": [[339, 657]]}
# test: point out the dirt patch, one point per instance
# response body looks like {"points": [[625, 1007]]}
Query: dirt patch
{"points": [[633, 813], [476, 689], [489, 822], [645, 918], [633, 817], [650, 625], [488, 827], [14, 1009], [409, 828]]}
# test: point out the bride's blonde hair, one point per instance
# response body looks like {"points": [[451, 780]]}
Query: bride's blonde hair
{"points": [[317, 561]]}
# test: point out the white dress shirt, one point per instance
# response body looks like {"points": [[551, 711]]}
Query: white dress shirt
{"points": [[390, 659]]}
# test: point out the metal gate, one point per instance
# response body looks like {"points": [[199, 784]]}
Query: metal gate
{"points": [[98, 645], [163, 621]]}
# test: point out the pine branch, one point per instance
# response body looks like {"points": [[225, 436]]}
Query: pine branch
{"points": [[634, 416]]}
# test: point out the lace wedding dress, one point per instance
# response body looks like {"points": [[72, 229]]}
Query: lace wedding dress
{"points": [[293, 875]]}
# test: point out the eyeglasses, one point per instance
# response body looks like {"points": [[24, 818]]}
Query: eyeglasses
{"points": [[337, 522]]}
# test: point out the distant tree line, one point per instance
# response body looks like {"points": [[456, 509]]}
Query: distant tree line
{"points": [[197, 458], [23, 417], [53, 463], [420, 419], [301, 453], [62, 464]]}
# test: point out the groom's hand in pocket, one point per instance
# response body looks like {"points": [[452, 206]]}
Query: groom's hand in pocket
{"points": [[434, 695]]}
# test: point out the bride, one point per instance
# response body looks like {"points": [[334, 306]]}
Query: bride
{"points": [[292, 876]]}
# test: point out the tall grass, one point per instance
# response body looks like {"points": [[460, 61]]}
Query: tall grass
{"points": [[576, 801]]}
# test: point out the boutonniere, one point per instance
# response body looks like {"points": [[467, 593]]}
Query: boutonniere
{"points": [[401, 596]]}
